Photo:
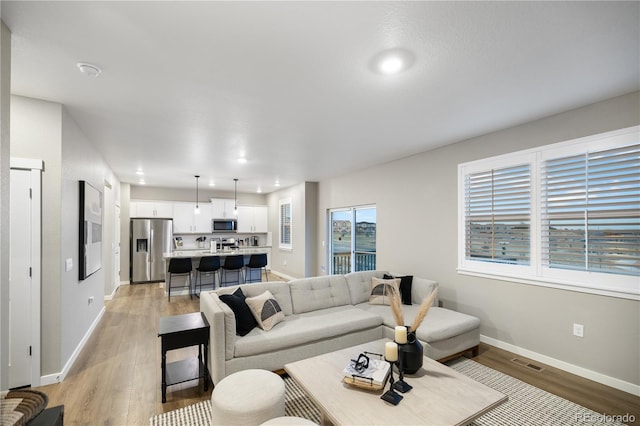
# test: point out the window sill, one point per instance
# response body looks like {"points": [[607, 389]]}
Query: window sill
{"points": [[557, 284]]}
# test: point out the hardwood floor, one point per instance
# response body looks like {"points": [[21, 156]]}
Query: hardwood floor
{"points": [[590, 394], [116, 378]]}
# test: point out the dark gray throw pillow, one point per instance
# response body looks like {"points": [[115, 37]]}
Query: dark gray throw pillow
{"points": [[406, 283], [245, 321]]}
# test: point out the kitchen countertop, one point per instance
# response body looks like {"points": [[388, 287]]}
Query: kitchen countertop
{"points": [[195, 252]]}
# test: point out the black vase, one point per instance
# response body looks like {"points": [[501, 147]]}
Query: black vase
{"points": [[411, 353]]}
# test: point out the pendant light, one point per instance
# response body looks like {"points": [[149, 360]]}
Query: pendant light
{"points": [[197, 209], [235, 196]]}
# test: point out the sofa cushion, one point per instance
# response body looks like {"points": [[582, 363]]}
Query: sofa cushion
{"points": [[421, 289], [311, 294], [381, 289], [359, 285], [245, 321], [279, 289], [305, 328], [266, 310], [439, 323]]}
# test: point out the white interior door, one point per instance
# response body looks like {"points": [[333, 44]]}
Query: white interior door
{"points": [[116, 254], [21, 280], [25, 272]]}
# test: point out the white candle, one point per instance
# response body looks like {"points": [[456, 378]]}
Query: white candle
{"points": [[391, 351], [401, 334]]}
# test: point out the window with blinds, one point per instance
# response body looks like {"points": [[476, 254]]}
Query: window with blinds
{"points": [[591, 211], [284, 219], [497, 215], [565, 215]]}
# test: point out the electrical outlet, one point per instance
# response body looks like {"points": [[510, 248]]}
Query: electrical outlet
{"points": [[91, 299], [578, 330], [284, 262], [68, 264]]}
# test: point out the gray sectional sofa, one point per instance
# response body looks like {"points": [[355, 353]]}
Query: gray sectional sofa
{"points": [[324, 314]]}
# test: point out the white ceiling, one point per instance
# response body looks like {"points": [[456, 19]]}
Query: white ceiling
{"points": [[187, 87]]}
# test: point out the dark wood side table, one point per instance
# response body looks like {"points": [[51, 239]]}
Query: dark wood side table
{"points": [[53, 416], [181, 331]]}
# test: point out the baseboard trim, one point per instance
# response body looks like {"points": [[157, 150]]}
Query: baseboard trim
{"points": [[50, 379], [282, 275], [565, 366], [113, 293]]}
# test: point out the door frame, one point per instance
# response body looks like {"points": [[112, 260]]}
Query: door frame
{"points": [[352, 210], [35, 167]]}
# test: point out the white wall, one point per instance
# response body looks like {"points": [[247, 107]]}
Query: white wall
{"points": [[300, 261], [81, 161], [36, 132], [44, 130], [139, 192], [416, 201], [5, 100]]}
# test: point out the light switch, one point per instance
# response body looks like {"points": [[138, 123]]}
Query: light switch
{"points": [[68, 264]]}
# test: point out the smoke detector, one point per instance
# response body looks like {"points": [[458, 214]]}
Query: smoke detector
{"points": [[89, 70]]}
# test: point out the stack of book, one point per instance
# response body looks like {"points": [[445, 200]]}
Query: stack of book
{"points": [[373, 377]]}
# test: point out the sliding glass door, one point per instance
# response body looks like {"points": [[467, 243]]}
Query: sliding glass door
{"points": [[352, 248]]}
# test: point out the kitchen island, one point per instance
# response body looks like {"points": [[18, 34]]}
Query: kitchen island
{"points": [[197, 253]]}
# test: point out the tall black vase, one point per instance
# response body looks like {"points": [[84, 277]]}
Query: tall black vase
{"points": [[411, 353]]}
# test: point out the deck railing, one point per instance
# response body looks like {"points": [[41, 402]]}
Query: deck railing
{"points": [[365, 261]]}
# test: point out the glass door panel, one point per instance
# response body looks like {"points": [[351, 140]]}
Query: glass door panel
{"points": [[365, 239], [341, 221]]}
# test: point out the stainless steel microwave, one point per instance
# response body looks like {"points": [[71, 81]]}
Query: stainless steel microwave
{"points": [[224, 225]]}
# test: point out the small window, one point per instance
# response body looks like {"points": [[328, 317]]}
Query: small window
{"points": [[284, 224]]}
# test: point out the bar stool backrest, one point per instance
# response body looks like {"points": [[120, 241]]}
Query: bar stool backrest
{"points": [[209, 264], [180, 265]]}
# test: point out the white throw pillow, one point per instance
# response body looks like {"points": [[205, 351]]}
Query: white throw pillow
{"points": [[265, 309], [380, 290]]}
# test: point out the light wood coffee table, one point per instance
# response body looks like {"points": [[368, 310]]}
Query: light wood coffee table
{"points": [[440, 395]]}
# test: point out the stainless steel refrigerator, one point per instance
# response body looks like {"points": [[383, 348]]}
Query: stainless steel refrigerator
{"points": [[150, 238]]}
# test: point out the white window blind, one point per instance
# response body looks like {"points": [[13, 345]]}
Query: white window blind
{"points": [[591, 211], [565, 215], [498, 215], [285, 224]]}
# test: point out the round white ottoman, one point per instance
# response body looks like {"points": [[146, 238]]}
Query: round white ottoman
{"points": [[289, 421], [248, 397]]}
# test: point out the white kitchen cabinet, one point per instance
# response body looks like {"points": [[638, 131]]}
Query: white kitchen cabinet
{"points": [[151, 209], [252, 219], [222, 208], [185, 221]]}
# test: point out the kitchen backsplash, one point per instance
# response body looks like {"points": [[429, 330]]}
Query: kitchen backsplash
{"points": [[189, 240]]}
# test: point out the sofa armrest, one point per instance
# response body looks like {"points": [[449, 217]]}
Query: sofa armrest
{"points": [[421, 288], [212, 307]]}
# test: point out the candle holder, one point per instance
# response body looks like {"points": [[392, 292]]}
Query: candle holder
{"points": [[391, 396], [401, 385]]}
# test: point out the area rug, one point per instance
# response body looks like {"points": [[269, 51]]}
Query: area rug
{"points": [[19, 407], [527, 404]]}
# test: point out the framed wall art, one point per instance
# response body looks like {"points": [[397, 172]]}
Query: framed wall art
{"points": [[90, 259]]}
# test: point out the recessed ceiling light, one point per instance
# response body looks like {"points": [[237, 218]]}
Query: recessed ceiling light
{"points": [[89, 70], [212, 184], [392, 61], [139, 172], [391, 65], [277, 183], [242, 160], [259, 190], [141, 182]]}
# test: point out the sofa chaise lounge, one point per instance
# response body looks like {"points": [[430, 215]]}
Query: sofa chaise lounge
{"points": [[324, 314]]}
